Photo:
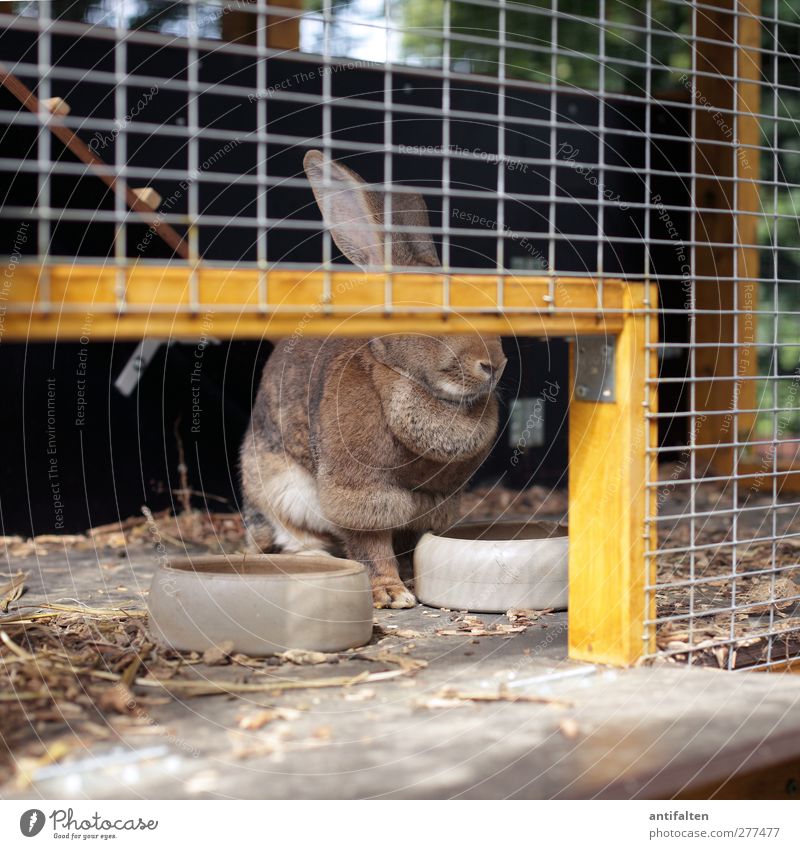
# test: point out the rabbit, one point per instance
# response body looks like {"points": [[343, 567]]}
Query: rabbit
{"points": [[355, 442]]}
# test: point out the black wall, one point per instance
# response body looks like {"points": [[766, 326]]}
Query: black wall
{"points": [[125, 452]]}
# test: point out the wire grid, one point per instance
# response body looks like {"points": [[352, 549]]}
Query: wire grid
{"points": [[550, 138], [725, 560]]}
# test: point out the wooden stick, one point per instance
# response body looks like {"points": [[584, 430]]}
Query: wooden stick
{"points": [[86, 155]]}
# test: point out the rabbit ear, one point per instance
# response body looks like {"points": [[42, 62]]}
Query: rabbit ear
{"points": [[355, 216], [346, 208], [409, 210]]}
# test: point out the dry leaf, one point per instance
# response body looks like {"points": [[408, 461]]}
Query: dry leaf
{"points": [[498, 631], [302, 657], [254, 721], [569, 728], [117, 698], [258, 719], [406, 663], [450, 697], [784, 593], [362, 694], [217, 654], [12, 590]]}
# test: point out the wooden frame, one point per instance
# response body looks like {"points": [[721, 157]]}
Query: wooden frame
{"points": [[728, 50], [177, 301], [609, 466], [609, 501]]}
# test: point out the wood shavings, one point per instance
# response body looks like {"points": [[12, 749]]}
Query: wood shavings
{"points": [[762, 625], [214, 532], [486, 503], [258, 719], [322, 732], [66, 662], [450, 697], [216, 655], [302, 657], [569, 728], [495, 631], [12, 590], [782, 595], [117, 698], [519, 616], [59, 539], [407, 633], [362, 694], [395, 631], [467, 624], [405, 662]]}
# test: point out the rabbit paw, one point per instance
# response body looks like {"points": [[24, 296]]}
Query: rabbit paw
{"points": [[392, 595]]}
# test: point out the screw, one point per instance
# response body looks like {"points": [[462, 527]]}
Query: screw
{"points": [[581, 391]]}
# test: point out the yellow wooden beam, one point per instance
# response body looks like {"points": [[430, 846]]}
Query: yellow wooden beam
{"points": [[609, 500], [62, 301], [728, 48], [608, 463]]}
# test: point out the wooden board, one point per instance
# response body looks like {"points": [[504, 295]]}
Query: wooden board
{"points": [[99, 302], [732, 52], [608, 472]]}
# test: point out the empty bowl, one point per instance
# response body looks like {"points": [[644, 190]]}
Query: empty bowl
{"points": [[492, 567], [262, 604]]}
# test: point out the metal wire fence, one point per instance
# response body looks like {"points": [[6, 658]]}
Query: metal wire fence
{"points": [[600, 141]]}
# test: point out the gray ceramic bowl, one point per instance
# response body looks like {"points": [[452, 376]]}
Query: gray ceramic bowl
{"points": [[492, 567], [261, 603]]}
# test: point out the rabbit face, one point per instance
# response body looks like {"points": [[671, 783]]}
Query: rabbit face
{"points": [[455, 368]]}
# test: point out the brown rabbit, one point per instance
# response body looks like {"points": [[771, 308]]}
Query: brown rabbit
{"points": [[353, 441]]}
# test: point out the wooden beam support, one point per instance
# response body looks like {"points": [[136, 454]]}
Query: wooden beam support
{"points": [[176, 301], [721, 152], [609, 501]]}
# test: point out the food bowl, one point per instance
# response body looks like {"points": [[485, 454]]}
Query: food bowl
{"points": [[492, 567], [261, 604]]}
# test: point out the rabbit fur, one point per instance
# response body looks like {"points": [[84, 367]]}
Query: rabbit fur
{"points": [[356, 443]]}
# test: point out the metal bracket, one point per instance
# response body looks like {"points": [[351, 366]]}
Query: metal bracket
{"points": [[595, 360]]}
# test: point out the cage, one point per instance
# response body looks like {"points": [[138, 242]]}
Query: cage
{"points": [[610, 186]]}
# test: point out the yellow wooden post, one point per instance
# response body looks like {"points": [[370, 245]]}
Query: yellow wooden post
{"points": [[608, 501], [728, 49]]}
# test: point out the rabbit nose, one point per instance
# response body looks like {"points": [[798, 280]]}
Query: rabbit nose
{"points": [[491, 370]]}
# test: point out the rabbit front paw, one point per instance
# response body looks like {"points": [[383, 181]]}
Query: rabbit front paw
{"points": [[392, 595]]}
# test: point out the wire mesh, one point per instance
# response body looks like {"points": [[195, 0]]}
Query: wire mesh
{"points": [[608, 141]]}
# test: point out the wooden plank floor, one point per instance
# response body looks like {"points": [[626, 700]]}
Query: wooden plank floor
{"points": [[646, 732]]}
